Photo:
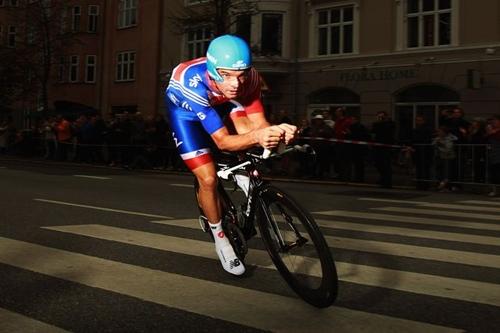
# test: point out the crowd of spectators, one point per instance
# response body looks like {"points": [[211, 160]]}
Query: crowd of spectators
{"points": [[127, 140], [438, 157]]}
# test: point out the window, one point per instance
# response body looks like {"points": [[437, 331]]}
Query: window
{"points": [[271, 34], [90, 69], [14, 3], [197, 42], [427, 101], [335, 31], [244, 27], [429, 23], [63, 20], [125, 67], [76, 18], [74, 64], [11, 36], [127, 15], [61, 70], [93, 17]]}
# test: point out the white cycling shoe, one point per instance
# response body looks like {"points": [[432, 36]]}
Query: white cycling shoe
{"points": [[225, 251], [229, 260]]}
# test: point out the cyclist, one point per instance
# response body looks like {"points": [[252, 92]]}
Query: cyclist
{"points": [[217, 99]]}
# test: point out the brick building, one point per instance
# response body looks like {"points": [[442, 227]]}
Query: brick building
{"points": [[406, 57]]}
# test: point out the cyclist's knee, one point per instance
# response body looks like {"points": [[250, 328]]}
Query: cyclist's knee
{"points": [[208, 181]]}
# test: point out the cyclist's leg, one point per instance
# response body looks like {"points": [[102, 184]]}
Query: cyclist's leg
{"points": [[193, 144], [208, 196]]}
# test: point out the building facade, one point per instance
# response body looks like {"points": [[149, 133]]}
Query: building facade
{"points": [[111, 64], [406, 57]]}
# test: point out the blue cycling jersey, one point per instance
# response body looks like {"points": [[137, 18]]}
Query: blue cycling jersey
{"points": [[196, 108]]}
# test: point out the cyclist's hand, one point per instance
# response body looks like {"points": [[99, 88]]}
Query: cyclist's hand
{"points": [[269, 137], [290, 132]]}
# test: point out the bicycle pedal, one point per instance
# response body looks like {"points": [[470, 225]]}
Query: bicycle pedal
{"points": [[204, 223]]}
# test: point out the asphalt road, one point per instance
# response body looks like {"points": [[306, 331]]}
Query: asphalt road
{"points": [[87, 249]]}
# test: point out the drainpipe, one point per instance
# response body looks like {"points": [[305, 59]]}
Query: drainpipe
{"points": [[101, 63], [296, 44]]}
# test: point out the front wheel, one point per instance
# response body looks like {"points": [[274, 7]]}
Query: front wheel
{"points": [[297, 247]]}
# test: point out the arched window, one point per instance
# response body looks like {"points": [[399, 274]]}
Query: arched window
{"points": [[424, 100], [329, 99]]}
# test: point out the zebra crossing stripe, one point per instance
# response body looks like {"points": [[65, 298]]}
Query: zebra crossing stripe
{"points": [[436, 212], [103, 209], [225, 302], [481, 202], [15, 322], [412, 219], [436, 205], [409, 232], [459, 289], [381, 247]]}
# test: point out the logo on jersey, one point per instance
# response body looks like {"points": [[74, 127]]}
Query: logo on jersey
{"points": [[173, 98], [177, 143], [212, 58], [220, 234], [186, 106], [193, 82], [239, 64], [201, 115]]}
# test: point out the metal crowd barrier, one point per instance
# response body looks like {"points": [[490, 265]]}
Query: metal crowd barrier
{"points": [[469, 164]]}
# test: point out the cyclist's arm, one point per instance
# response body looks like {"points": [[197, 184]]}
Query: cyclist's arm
{"points": [[268, 137]]}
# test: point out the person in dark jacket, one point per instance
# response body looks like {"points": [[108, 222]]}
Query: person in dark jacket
{"points": [[421, 139], [383, 131], [358, 132]]}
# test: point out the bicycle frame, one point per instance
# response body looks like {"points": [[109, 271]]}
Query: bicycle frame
{"points": [[227, 172]]}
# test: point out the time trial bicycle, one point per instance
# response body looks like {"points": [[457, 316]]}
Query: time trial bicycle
{"points": [[293, 240]]}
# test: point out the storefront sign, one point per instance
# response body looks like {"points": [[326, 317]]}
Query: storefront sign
{"points": [[378, 75]]}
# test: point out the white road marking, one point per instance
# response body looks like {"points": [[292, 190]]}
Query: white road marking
{"points": [[235, 304], [182, 185], [15, 322], [437, 212], [102, 208], [436, 205], [394, 201], [465, 290], [481, 202], [411, 219], [394, 249], [429, 234], [192, 186], [91, 177]]}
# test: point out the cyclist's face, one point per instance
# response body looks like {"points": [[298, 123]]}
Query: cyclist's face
{"points": [[233, 81]]}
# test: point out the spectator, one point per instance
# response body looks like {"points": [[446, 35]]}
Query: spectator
{"points": [[64, 136], [383, 131], [322, 147], [493, 137], [421, 139], [459, 127], [3, 136], [444, 117], [477, 140], [342, 150], [305, 157], [445, 156], [327, 117], [49, 138], [358, 153]]}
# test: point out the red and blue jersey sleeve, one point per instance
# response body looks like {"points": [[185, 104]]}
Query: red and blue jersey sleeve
{"points": [[188, 90]]}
